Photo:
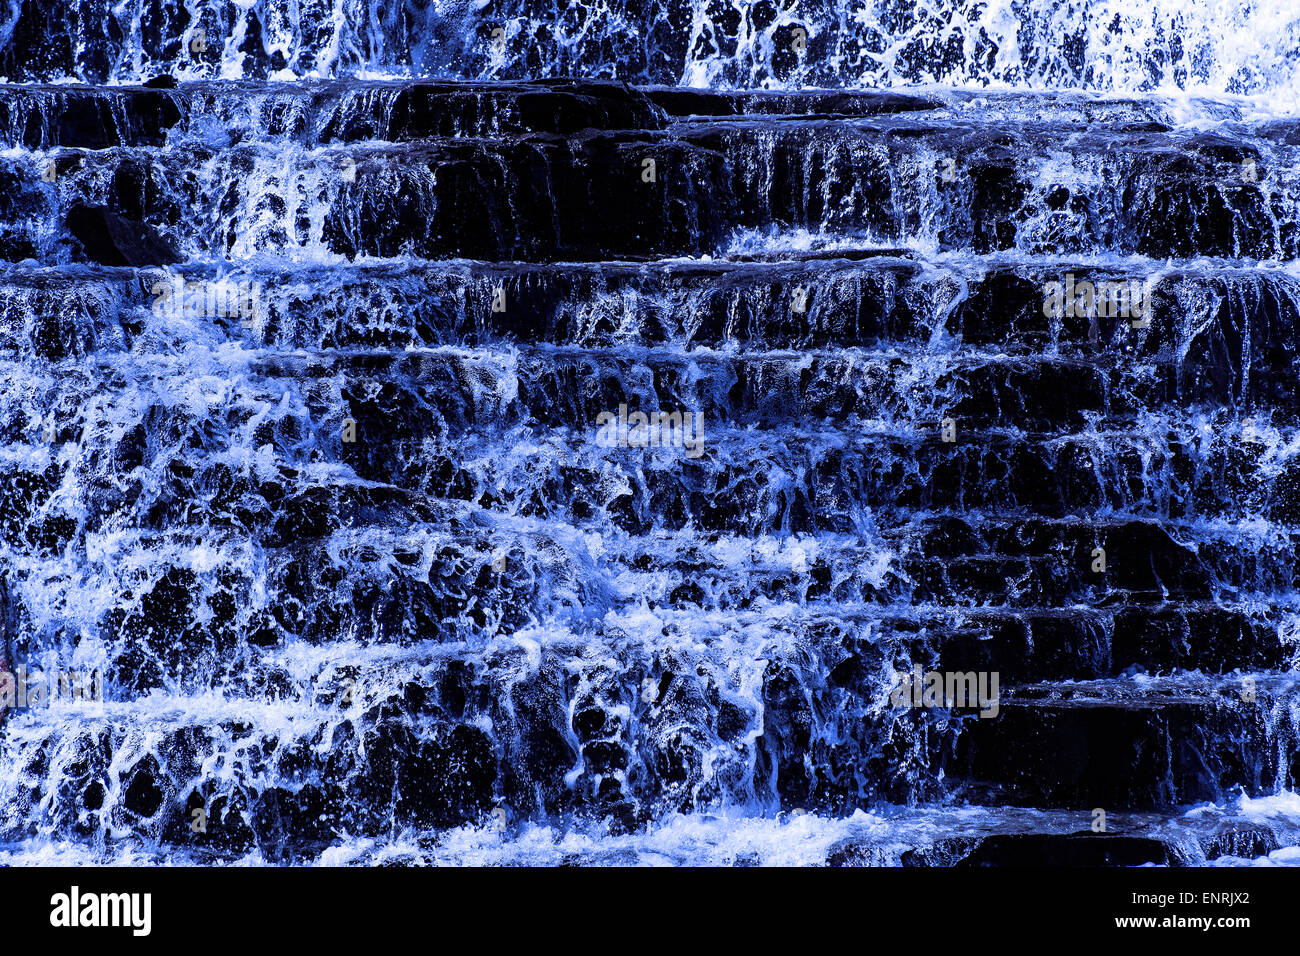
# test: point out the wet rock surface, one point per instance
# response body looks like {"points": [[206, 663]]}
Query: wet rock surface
{"points": [[301, 404]]}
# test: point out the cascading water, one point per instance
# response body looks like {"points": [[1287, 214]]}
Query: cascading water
{"points": [[324, 326]]}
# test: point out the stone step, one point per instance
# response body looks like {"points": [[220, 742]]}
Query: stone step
{"points": [[321, 112], [1213, 321], [486, 730], [1135, 745], [193, 602], [690, 190]]}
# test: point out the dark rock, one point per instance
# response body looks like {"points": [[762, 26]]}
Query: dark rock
{"points": [[1067, 850], [111, 240]]}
